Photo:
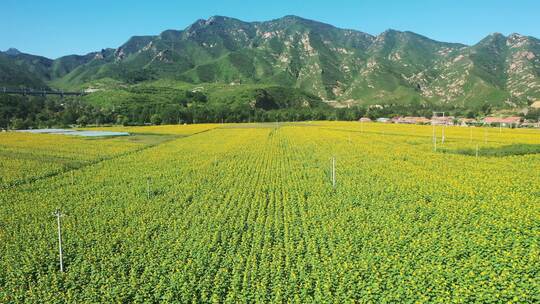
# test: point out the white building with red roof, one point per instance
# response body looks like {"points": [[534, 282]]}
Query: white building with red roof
{"points": [[503, 121]]}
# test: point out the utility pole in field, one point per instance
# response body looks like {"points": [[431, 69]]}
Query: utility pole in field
{"points": [[334, 172], [443, 137], [434, 139], [148, 187], [58, 215]]}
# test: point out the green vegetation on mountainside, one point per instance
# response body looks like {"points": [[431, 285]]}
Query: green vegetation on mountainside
{"points": [[393, 68]]}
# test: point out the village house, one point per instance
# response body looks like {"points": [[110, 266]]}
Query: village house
{"points": [[512, 121], [365, 119], [442, 120], [411, 120], [530, 124], [464, 122]]}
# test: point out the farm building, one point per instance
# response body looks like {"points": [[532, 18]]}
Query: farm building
{"points": [[383, 120], [365, 119]]}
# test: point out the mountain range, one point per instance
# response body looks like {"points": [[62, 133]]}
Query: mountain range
{"points": [[339, 66]]}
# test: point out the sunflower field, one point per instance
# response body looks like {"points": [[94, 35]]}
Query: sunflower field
{"points": [[247, 213]]}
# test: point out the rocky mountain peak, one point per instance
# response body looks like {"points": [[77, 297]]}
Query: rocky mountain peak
{"points": [[12, 52], [517, 40], [217, 19]]}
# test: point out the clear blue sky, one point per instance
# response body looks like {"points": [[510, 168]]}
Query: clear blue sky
{"points": [[55, 28]]}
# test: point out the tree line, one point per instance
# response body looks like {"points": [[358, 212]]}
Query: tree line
{"points": [[21, 112]]}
